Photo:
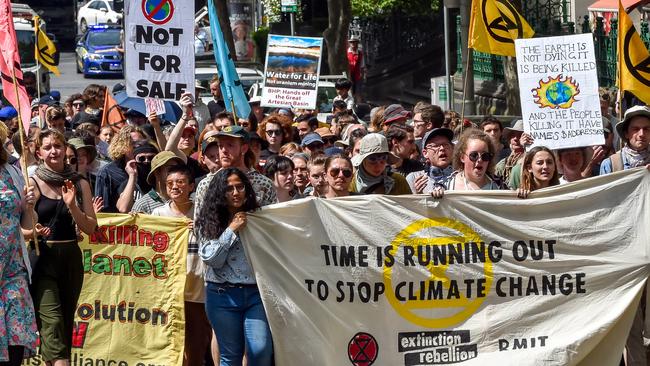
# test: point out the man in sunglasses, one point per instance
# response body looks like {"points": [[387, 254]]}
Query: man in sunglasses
{"points": [[138, 171], [371, 175], [438, 151]]}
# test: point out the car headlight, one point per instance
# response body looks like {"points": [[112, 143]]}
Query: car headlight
{"points": [[94, 56]]}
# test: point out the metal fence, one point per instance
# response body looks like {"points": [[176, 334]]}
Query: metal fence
{"points": [[490, 67]]}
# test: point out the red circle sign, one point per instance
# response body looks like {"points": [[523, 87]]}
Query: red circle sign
{"points": [[158, 11], [363, 349]]}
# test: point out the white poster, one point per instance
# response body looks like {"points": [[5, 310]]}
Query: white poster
{"points": [[291, 72], [159, 48], [558, 86], [475, 278]]}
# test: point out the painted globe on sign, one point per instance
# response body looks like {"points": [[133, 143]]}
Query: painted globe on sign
{"points": [[558, 93], [161, 14]]}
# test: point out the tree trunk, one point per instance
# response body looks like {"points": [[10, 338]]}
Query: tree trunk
{"points": [[336, 34], [513, 102], [224, 23]]}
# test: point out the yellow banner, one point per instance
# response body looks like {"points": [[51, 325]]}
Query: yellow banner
{"points": [[633, 59], [131, 308], [45, 49], [494, 25]]}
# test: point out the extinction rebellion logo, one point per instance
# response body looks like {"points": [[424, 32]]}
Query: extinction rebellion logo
{"points": [[436, 348]]}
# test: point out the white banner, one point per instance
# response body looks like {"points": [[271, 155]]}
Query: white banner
{"points": [[478, 278], [291, 72], [159, 47], [558, 86]]}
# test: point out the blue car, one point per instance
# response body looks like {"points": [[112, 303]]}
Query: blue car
{"points": [[97, 51]]}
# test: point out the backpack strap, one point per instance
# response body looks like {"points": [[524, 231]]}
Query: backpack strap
{"points": [[617, 162]]}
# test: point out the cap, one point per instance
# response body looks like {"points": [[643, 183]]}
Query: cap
{"points": [[34, 103], [333, 150], [373, 143], [197, 85], [209, 138], [449, 134], [159, 160], [236, 132], [47, 100], [324, 132], [79, 143], [517, 126], [8, 112], [637, 110], [56, 95], [394, 112], [310, 138], [144, 147]]}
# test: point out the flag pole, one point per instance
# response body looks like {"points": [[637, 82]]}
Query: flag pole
{"points": [[462, 109], [23, 156]]}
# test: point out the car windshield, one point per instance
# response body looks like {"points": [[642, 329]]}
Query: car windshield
{"points": [[26, 48], [325, 98], [111, 38]]}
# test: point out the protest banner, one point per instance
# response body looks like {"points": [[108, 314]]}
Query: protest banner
{"points": [[131, 308], [558, 86], [159, 48], [291, 72], [475, 278]]}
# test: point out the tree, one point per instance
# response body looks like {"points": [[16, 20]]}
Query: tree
{"points": [[385, 7], [513, 101], [336, 34]]}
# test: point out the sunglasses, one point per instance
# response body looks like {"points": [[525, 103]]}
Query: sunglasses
{"points": [[274, 132], [144, 159], [334, 172], [77, 104], [236, 187], [475, 155], [376, 158]]}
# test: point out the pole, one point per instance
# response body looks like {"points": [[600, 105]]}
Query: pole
{"points": [[467, 75], [23, 156], [450, 89], [292, 18], [468, 90]]}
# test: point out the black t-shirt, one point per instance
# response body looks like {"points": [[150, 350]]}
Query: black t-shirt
{"points": [[409, 166], [215, 107]]}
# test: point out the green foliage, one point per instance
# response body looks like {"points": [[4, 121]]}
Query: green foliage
{"points": [[381, 8], [260, 37]]}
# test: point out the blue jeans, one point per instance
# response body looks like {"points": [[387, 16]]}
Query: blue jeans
{"points": [[238, 319]]}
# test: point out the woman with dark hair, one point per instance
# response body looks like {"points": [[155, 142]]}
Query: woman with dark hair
{"points": [[18, 337], [280, 170], [63, 202], [538, 171], [233, 301]]}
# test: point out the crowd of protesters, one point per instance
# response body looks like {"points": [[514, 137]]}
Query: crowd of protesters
{"points": [[212, 169]]}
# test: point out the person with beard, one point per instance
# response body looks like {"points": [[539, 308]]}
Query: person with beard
{"points": [[634, 129], [111, 177], [138, 170]]}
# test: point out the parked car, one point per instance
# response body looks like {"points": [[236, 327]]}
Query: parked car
{"points": [[97, 12], [247, 75], [97, 52]]}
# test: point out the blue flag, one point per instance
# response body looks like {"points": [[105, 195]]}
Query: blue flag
{"points": [[231, 87]]}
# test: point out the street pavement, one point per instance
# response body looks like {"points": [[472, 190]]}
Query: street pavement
{"points": [[70, 82]]}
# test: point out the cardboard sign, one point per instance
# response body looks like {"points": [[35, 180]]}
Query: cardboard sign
{"points": [[159, 47], [291, 73], [154, 105], [559, 91]]}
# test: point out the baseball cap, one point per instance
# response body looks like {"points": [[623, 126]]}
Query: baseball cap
{"points": [[208, 139], [8, 112], [438, 132], [236, 132], [310, 138]]}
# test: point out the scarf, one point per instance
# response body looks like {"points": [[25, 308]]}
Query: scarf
{"points": [[367, 184], [57, 179], [439, 176], [511, 161], [635, 158]]}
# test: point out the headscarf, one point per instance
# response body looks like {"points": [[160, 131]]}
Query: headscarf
{"points": [[635, 158]]}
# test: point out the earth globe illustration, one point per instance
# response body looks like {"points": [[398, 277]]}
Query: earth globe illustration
{"points": [[558, 93]]}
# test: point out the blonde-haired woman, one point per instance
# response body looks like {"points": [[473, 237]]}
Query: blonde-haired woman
{"points": [[113, 175]]}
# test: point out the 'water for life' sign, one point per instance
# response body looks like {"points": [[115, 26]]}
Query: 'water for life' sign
{"points": [[291, 74], [159, 47], [559, 91]]}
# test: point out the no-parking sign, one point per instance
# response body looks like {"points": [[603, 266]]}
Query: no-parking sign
{"points": [[159, 47]]}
